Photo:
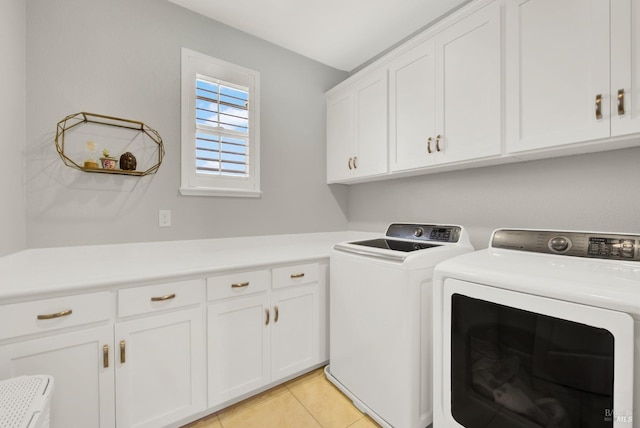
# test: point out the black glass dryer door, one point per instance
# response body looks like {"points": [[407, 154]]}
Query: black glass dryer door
{"points": [[511, 368]]}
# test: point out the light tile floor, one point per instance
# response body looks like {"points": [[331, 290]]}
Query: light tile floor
{"points": [[309, 401]]}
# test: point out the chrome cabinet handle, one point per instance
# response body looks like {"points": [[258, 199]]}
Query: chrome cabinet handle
{"points": [[438, 142], [105, 356], [267, 313], [297, 275], [599, 106], [240, 284], [355, 162], [163, 298], [350, 163], [56, 315], [429, 145], [620, 102], [275, 308], [123, 352]]}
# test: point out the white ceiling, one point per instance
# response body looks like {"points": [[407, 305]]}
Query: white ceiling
{"points": [[343, 34]]}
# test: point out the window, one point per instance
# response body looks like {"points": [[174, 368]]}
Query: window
{"points": [[220, 128]]}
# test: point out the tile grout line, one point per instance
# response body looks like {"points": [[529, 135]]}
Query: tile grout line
{"points": [[303, 406], [363, 415]]}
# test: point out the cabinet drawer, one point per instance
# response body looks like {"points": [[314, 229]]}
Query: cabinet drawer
{"points": [[38, 316], [237, 284], [159, 297], [295, 275]]}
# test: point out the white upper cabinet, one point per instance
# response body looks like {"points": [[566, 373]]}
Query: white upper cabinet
{"points": [[469, 88], [496, 81], [341, 143], [357, 129], [625, 67], [412, 107], [445, 95], [562, 87]]}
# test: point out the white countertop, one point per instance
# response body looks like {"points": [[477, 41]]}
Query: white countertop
{"points": [[47, 271]]}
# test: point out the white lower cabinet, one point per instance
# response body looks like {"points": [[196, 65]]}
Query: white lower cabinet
{"points": [[71, 339], [261, 330], [83, 377], [294, 333], [160, 363], [144, 356], [160, 368], [238, 347], [147, 370]]}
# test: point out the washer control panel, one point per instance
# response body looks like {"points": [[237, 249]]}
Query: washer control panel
{"points": [[425, 232], [578, 244]]}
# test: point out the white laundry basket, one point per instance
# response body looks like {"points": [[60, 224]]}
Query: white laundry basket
{"points": [[24, 402]]}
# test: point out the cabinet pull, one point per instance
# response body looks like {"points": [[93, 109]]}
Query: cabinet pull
{"points": [[297, 275], [599, 106], [275, 308], [240, 285], [56, 315], [105, 356], [350, 163], [163, 298], [429, 145], [620, 102], [266, 311], [123, 355], [355, 164], [438, 142]]}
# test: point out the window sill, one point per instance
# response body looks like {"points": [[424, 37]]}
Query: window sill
{"points": [[210, 191]]}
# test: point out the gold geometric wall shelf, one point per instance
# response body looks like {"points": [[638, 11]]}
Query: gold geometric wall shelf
{"points": [[73, 121]]}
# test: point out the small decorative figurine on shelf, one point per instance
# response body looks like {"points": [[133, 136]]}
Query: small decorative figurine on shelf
{"points": [[91, 162], [128, 162], [107, 161]]}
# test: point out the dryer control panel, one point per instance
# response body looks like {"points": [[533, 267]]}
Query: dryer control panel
{"points": [[570, 243]]}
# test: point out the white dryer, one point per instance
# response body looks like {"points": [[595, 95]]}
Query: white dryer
{"points": [[541, 329], [380, 320]]}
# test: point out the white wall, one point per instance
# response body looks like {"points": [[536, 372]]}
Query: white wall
{"points": [[12, 126], [587, 192], [122, 58]]}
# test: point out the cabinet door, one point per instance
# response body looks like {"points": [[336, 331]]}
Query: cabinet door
{"points": [[625, 67], [412, 108], [341, 142], [295, 334], [371, 125], [161, 372], [238, 343], [469, 87], [83, 394], [557, 59]]}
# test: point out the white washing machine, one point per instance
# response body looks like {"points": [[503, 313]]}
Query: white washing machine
{"points": [[542, 329], [380, 320]]}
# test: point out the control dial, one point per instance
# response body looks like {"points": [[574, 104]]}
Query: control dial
{"points": [[418, 232], [559, 244]]}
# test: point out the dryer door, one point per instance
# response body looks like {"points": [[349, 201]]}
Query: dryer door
{"points": [[516, 360]]}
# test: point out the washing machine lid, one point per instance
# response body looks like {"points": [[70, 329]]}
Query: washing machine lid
{"points": [[394, 244], [405, 241]]}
